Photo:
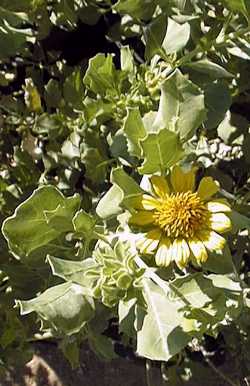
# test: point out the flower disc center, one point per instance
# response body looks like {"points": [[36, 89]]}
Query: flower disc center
{"points": [[181, 214]]}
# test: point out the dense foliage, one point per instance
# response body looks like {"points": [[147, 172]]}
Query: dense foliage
{"points": [[100, 101]]}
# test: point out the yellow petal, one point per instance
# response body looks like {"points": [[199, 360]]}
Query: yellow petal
{"points": [[149, 203], [199, 251], [207, 188], [220, 222], [212, 240], [182, 253], [160, 186], [163, 255], [219, 205], [141, 218], [183, 182], [149, 242]]}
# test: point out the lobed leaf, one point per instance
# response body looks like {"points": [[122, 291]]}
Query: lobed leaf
{"points": [[43, 217], [50, 306], [182, 108]]}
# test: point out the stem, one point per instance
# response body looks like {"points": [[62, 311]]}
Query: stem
{"points": [[226, 41], [166, 287], [162, 284], [164, 373], [148, 370], [216, 370]]}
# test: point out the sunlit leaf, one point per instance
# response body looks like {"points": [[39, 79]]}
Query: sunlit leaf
{"points": [[160, 336], [181, 108], [35, 221], [50, 306], [160, 151], [176, 37]]}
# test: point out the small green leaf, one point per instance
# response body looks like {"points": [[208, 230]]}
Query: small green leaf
{"points": [[141, 9], [70, 147], [160, 151], [31, 96], [50, 306], [102, 346], [96, 164], [154, 35], [71, 351], [232, 127], [181, 107], [126, 313], [127, 60], [109, 205], [177, 37], [73, 90], [73, 271], [237, 6], [225, 282], [239, 221], [99, 76], [53, 94], [130, 189], [134, 130], [84, 223], [213, 70]]}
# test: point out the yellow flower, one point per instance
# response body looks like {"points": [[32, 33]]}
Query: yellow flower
{"points": [[181, 223]]}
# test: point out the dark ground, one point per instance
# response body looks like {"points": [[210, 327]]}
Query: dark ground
{"points": [[49, 368]]}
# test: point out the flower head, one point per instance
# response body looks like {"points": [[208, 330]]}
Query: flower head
{"points": [[180, 223]]}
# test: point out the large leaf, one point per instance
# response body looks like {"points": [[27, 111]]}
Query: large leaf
{"points": [[194, 290], [160, 151], [207, 301], [217, 101], [43, 217], [220, 261], [160, 336], [182, 107], [176, 37], [197, 290], [50, 306]]}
